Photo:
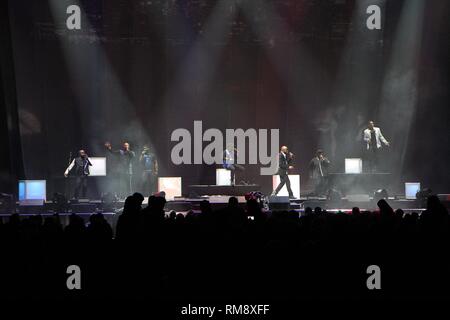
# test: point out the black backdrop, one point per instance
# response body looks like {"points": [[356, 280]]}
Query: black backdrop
{"points": [[138, 70]]}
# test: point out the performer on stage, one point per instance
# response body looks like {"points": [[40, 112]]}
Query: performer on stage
{"points": [[374, 139], [229, 163], [318, 172], [80, 168], [149, 171], [284, 165], [126, 167]]}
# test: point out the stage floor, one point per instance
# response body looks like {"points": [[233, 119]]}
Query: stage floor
{"points": [[184, 205]]}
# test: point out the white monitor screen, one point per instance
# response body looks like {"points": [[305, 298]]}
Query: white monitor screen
{"points": [[98, 167], [411, 188], [353, 165], [223, 177], [32, 190]]}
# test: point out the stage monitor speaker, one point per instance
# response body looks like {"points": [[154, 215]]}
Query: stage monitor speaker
{"points": [[279, 203]]}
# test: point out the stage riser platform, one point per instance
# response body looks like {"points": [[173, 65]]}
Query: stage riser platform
{"points": [[210, 190], [184, 205], [368, 205], [360, 183]]}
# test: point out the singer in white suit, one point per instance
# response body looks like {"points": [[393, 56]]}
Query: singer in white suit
{"points": [[374, 140]]}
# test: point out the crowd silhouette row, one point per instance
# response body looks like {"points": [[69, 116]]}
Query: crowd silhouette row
{"points": [[228, 253]]}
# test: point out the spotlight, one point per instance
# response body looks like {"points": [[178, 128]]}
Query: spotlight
{"points": [[380, 194]]}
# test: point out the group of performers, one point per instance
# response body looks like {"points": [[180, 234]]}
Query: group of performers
{"points": [[318, 171], [318, 166], [123, 173]]}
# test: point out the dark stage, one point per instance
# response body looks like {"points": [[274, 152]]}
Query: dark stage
{"points": [[203, 150]]}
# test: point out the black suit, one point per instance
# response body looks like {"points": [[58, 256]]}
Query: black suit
{"points": [[284, 162], [318, 173], [80, 168], [124, 171]]}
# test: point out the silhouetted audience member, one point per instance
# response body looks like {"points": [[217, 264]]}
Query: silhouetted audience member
{"points": [[385, 208], [98, 229], [129, 221], [435, 207], [76, 228], [230, 252]]}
